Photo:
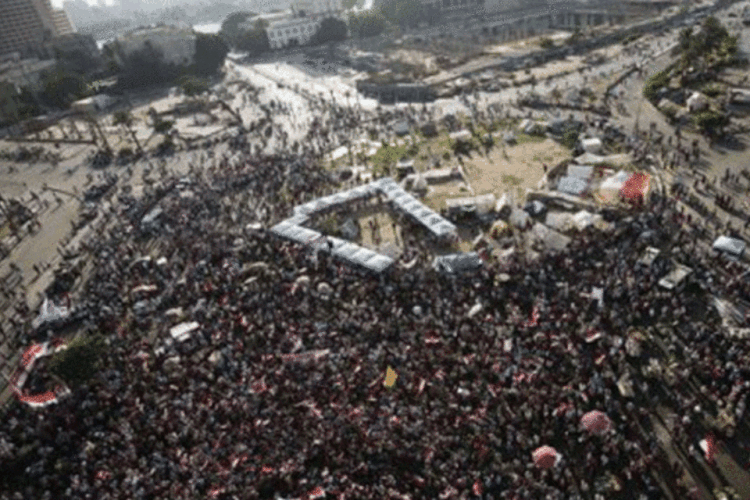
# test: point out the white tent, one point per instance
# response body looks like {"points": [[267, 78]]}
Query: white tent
{"points": [[572, 185], [731, 246], [592, 145], [580, 171], [183, 330], [49, 312], [584, 219]]}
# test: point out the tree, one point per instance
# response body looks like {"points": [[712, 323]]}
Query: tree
{"points": [[210, 53], [193, 86], [255, 41], [367, 24], [80, 361], [402, 12], [711, 122], [546, 43], [330, 30], [60, 88], [124, 118], [230, 27], [654, 83]]}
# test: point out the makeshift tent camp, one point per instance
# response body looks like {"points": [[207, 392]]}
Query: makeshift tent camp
{"points": [[732, 247]]}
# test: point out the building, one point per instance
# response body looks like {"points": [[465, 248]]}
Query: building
{"points": [[319, 8], [176, 44], [291, 31], [62, 23], [25, 72], [25, 25]]}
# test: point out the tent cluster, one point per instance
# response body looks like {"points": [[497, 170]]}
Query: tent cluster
{"points": [[292, 229]]}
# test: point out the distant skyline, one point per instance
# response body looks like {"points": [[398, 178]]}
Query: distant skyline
{"points": [[59, 3]]}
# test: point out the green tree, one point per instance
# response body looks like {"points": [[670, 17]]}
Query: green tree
{"points": [[570, 138], [80, 361], [210, 53], [230, 27], [78, 61], [367, 24], [546, 43], [711, 122], [654, 83], [193, 86], [124, 118], [60, 88], [330, 30], [255, 41], [402, 12]]}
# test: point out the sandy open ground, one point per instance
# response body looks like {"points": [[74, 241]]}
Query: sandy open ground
{"points": [[522, 168]]}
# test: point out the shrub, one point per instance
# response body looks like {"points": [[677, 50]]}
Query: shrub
{"points": [[80, 361]]}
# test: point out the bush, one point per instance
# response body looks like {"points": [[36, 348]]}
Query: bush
{"points": [[546, 43], [654, 83], [710, 121], [79, 362], [570, 138]]}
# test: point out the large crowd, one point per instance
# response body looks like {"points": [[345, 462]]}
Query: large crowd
{"points": [[280, 392]]}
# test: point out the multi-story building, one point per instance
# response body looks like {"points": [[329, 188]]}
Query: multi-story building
{"points": [[25, 25], [176, 44], [291, 31], [63, 25], [317, 8]]}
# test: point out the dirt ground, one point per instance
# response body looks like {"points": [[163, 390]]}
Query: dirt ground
{"points": [[512, 168]]}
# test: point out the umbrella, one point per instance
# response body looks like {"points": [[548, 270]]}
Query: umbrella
{"points": [[545, 457], [596, 422]]}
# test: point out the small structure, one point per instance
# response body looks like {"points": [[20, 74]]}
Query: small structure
{"points": [[731, 247], [92, 104], [592, 145], [457, 263], [697, 102], [479, 204], [675, 277]]}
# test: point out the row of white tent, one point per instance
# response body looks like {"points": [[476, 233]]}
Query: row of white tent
{"points": [[293, 229]]}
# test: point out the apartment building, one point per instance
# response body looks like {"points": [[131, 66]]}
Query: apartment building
{"points": [[25, 25]]}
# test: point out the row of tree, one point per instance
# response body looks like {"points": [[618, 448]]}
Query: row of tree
{"points": [[372, 22]]}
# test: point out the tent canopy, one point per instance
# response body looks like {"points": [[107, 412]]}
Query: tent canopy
{"points": [[457, 262], [731, 246]]}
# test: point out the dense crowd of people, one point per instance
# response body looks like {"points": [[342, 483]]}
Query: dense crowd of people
{"points": [[280, 391]]}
